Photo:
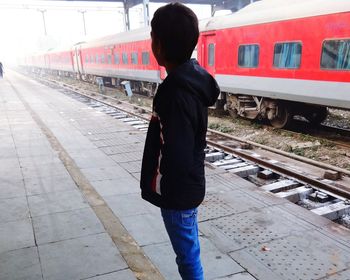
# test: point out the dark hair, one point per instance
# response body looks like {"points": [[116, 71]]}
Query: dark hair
{"points": [[176, 27]]}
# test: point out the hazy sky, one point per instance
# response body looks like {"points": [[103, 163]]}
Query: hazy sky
{"points": [[22, 28]]}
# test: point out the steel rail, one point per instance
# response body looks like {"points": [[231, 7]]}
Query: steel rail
{"points": [[314, 182], [302, 128], [283, 153]]}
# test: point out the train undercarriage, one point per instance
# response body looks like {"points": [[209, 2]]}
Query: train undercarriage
{"points": [[139, 87], [279, 112]]}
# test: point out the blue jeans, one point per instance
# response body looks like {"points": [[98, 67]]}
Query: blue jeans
{"points": [[182, 228]]}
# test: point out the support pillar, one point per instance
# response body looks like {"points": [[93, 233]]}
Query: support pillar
{"points": [[241, 4], [126, 17], [213, 9], [43, 14], [146, 12]]}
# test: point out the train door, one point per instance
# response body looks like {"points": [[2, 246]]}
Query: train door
{"points": [[72, 58], [77, 63], [208, 57], [47, 61], [80, 60]]}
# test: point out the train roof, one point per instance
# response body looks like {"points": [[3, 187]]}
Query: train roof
{"points": [[256, 13], [276, 10], [124, 37]]}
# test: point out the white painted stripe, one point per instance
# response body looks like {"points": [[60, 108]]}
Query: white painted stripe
{"points": [[332, 94], [159, 176], [132, 74], [161, 133], [67, 68]]}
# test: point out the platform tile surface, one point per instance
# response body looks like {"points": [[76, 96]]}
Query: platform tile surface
{"points": [[53, 257], [46, 229], [216, 264], [20, 264], [301, 255]]}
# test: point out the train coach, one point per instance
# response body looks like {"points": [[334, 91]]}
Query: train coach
{"points": [[272, 59], [276, 59], [118, 57]]}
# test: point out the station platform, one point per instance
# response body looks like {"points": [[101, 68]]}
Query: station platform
{"points": [[70, 205]]}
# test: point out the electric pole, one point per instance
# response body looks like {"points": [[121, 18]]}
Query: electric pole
{"points": [[43, 14], [83, 13]]}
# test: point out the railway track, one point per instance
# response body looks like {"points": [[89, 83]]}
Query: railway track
{"points": [[323, 189], [335, 135]]}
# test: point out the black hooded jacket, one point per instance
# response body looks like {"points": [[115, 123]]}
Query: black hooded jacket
{"points": [[172, 174]]}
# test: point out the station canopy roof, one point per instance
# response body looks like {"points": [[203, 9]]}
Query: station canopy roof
{"points": [[217, 5]]}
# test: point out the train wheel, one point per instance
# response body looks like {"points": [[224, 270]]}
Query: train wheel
{"points": [[233, 113], [317, 116], [282, 119]]}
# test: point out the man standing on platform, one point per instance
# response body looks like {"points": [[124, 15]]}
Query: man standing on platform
{"points": [[172, 175], [1, 70]]}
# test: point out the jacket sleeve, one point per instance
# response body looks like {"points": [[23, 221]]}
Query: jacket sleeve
{"points": [[178, 126]]}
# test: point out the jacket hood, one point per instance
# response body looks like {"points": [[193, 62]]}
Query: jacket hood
{"points": [[197, 80]]}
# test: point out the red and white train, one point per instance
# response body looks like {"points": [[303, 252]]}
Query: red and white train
{"points": [[273, 59]]}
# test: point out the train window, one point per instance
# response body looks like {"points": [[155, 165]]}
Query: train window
{"points": [[211, 54], [248, 56], [86, 59], [287, 55], [134, 58], [97, 59], [109, 59], [116, 58], [125, 58], [102, 58], [91, 59], [145, 58], [336, 54]]}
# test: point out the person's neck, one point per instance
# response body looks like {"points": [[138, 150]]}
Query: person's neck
{"points": [[170, 67]]}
